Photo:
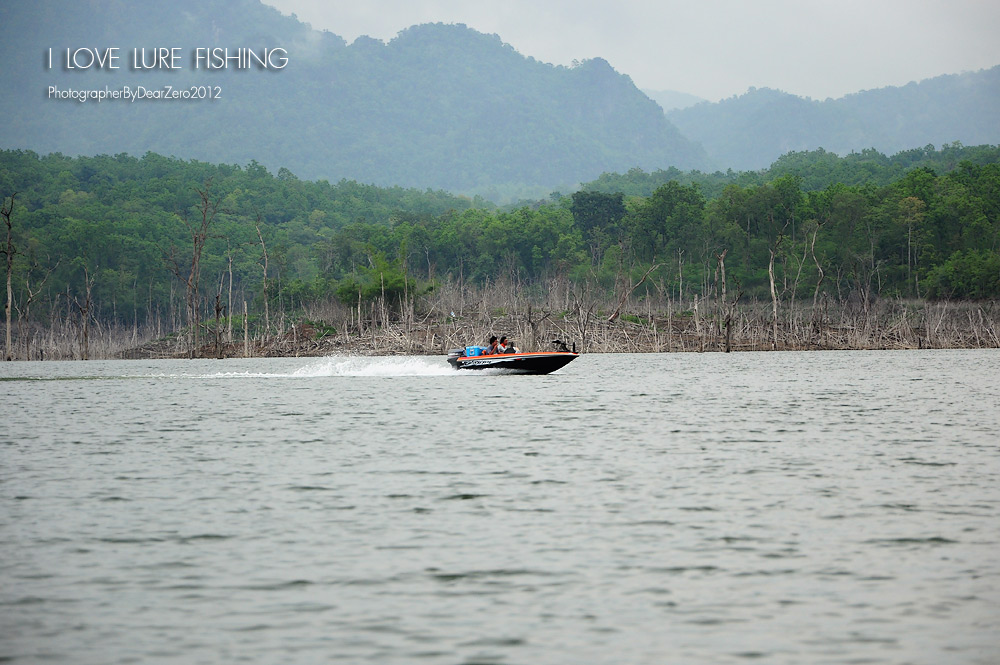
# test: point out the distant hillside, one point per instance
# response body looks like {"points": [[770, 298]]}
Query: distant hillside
{"points": [[440, 106], [671, 99], [754, 129], [813, 170]]}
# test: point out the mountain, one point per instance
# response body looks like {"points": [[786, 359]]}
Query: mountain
{"points": [[671, 99], [439, 106], [752, 130]]}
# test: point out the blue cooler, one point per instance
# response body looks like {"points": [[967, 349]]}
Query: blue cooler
{"points": [[473, 351]]}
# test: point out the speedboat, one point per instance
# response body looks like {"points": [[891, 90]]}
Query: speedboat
{"points": [[513, 362]]}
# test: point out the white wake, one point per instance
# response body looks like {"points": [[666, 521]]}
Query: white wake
{"points": [[375, 366]]}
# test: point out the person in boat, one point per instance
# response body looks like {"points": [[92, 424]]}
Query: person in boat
{"points": [[492, 347], [506, 346]]}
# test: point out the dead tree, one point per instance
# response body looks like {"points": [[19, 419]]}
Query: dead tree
{"points": [[773, 251], [263, 263], [84, 309], [246, 331], [720, 287], [24, 312], [219, 308], [730, 312], [208, 208], [819, 278], [9, 252], [229, 308], [629, 290], [534, 324], [584, 313]]}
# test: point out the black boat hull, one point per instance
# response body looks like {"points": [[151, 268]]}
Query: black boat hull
{"points": [[515, 363]]}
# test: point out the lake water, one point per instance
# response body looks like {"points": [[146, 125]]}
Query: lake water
{"points": [[839, 507]]}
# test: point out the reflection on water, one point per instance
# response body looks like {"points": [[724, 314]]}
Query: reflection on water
{"points": [[777, 507]]}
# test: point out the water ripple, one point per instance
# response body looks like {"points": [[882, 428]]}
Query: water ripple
{"points": [[676, 508]]}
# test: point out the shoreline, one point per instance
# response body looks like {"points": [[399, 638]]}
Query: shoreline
{"points": [[887, 326], [629, 338]]}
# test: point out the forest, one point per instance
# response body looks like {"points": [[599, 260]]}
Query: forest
{"points": [[151, 247]]}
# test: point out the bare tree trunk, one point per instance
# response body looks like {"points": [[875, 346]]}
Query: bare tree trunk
{"points": [[219, 307], [9, 251], [720, 272], [25, 315], [229, 322], [774, 299], [246, 331], [88, 284], [680, 275], [819, 268], [208, 209], [267, 311], [629, 290]]}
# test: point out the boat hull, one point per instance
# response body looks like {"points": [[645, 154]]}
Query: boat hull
{"points": [[516, 363]]}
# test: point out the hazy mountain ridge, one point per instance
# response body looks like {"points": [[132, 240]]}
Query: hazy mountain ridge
{"points": [[672, 99], [752, 130], [439, 106]]}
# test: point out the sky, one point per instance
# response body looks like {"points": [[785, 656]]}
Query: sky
{"points": [[710, 48]]}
